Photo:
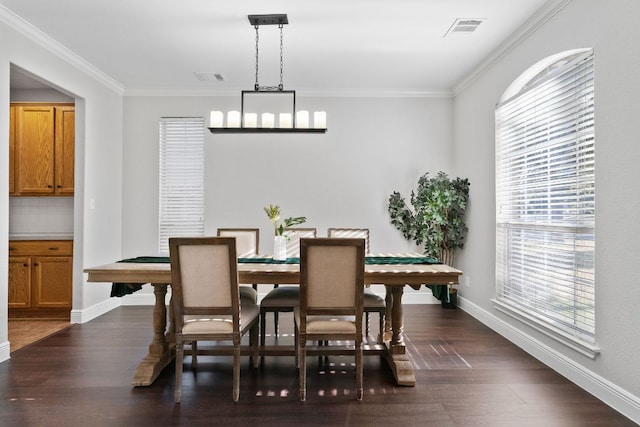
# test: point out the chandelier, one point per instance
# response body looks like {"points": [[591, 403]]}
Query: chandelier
{"points": [[290, 121]]}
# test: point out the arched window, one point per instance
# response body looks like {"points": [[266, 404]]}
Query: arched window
{"points": [[545, 199]]}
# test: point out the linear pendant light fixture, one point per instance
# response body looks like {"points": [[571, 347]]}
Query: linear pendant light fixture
{"points": [[287, 122]]}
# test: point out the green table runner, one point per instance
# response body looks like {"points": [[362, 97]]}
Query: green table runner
{"points": [[368, 260], [122, 289]]}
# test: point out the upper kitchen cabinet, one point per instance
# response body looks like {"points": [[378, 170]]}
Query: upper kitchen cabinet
{"points": [[43, 149], [65, 132], [12, 148]]}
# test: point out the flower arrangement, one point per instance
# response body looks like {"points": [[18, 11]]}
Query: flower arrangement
{"points": [[273, 212]]}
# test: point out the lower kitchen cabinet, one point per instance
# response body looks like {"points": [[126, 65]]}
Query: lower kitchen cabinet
{"points": [[40, 278]]}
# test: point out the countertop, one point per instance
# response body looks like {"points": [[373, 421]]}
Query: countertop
{"points": [[40, 236]]}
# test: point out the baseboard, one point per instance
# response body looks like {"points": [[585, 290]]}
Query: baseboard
{"points": [[4, 351], [142, 299], [148, 298], [618, 398], [83, 316]]}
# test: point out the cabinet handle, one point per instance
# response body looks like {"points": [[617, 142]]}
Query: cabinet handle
{"points": [[11, 248], [49, 186], [54, 249], [35, 264], [25, 265]]}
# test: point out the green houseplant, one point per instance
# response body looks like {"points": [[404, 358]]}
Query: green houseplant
{"points": [[435, 218]]}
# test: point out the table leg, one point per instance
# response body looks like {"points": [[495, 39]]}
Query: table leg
{"points": [[159, 352], [396, 351], [388, 299]]}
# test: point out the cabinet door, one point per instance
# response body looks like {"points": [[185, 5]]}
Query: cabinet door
{"points": [[52, 278], [64, 149], [12, 149], [34, 150], [19, 282]]}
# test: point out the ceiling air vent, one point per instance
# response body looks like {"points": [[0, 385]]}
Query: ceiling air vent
{"points": [[209, 77], [464, 25]]}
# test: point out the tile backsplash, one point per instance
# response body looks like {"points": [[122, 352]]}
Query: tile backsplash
{"points": [[40, 216]]}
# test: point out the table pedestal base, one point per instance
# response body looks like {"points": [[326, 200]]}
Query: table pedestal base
{"points": [[150, 367], [401, 367], [161, 350]]}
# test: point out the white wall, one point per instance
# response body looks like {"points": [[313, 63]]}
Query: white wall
{"points": [[98, 152], [342, 178], [611, 29]]}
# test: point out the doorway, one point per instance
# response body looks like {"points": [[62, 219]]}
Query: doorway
{"points": [[38, 219]]}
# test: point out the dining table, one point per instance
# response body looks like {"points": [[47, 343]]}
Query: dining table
{"points": [[394, 271]]}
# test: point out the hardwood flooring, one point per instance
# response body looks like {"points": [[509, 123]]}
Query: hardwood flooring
{"points": [[466, 375], [23, 332]]}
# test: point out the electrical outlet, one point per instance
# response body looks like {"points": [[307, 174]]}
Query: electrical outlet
{"points": [[466, 281]]}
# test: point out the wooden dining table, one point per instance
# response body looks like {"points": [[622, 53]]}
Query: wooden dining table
{"points": [[395, 276]]}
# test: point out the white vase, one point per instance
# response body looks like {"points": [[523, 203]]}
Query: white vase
{"points": [[280, 248]]}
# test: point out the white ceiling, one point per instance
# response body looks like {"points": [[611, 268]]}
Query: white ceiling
{"points": [[330, 46]]}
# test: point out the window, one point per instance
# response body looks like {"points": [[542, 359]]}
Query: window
{"points": [[545, 200], [181, 178]]}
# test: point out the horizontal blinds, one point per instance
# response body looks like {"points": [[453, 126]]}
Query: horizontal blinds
{"points": [[181, 179], [545, 199]]}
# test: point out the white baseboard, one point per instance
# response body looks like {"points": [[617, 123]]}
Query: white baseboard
{"points": [[4, 351], [618, 398], [141, 298], [83, 316]]}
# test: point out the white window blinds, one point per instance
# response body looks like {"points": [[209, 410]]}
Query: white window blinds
{"points": [[181, 178], [545, 200]]}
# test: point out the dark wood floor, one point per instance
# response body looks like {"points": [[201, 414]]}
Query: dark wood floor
{"points": [[466, 376]]}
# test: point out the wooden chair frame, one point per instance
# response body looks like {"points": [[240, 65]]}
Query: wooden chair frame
{"points": [[239, 232], [373, 303], [190, 270], [288, 296], [324, 288]]}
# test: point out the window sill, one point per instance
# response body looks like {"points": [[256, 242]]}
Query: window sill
{"points": [[556, 334]]}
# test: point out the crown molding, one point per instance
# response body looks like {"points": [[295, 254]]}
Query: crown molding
{"points": [[332, 93], [23, 27], [546, 12]]}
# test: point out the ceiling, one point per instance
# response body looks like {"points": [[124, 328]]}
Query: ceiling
{"points": [[330, 46]]}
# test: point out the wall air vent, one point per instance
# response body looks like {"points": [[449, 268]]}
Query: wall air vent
{"points": [[209, 77], [464, 25]]}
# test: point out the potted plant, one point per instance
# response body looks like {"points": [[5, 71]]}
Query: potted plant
{"points": [[435, 219], [279, 242]]}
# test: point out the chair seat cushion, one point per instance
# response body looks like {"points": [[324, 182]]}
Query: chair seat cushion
{"points": [[283, 295], [328, 324], [204, 325], [249, 294], [371, 299], [193, 324]]}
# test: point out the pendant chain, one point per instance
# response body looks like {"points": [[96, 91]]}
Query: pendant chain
{"points": [[257, 84]]}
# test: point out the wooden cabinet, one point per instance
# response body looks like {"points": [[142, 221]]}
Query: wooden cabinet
{"points": [[65, 132], [43, 145], [12, 148], [40, 278]]}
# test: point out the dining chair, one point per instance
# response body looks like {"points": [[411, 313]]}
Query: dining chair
{"points": [[331, 302], [283, 299], [247, 244], [206, 301], [373, 303]]}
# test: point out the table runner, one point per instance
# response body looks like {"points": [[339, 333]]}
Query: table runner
{"points": [[388, 260], [122, 289]]}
